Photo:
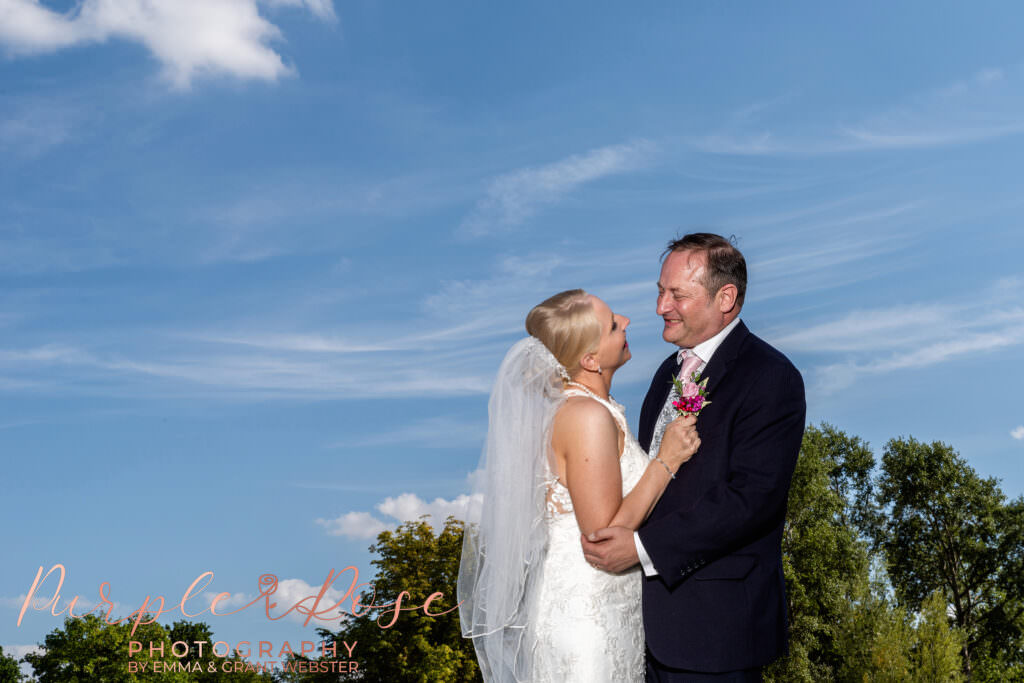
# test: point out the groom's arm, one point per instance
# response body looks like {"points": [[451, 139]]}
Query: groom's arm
{"points": [[765, 442]]}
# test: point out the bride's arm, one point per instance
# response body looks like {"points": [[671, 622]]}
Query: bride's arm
{"points": [[586, 439], [678, 445]]}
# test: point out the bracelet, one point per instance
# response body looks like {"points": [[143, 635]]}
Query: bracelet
{"points": [[665, 465]]}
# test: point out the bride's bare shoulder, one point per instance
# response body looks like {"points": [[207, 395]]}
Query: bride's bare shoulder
{"points": [[580, 417]]}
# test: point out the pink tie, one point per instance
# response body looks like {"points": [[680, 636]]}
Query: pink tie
{"points": [[690, 365]]}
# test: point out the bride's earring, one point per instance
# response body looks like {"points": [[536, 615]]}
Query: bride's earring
{"points": [[599, 369]]}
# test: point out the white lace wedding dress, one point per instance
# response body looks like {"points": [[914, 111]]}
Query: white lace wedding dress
{"points": [[588, 625]]}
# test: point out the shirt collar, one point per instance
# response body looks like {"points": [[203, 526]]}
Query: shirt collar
{"points": [[707, 348]]}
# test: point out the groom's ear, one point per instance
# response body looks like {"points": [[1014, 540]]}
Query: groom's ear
{"points": [[726, 298]]}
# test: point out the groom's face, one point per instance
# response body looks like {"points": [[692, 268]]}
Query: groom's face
{"points": [[690, 314]]}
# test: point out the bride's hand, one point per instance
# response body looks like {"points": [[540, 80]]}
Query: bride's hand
{"points": [[680, 441]]}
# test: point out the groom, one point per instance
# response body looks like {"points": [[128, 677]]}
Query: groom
{"points": [[714, 600]]}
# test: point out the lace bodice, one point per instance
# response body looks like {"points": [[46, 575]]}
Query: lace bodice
{"points": [[588, 624]]}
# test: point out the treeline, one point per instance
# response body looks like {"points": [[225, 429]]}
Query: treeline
{"points": [[911, 569], [88, 650], [906, 569]]}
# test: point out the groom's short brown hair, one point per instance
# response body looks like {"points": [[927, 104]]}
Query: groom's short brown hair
{"points": [[725, 263]]}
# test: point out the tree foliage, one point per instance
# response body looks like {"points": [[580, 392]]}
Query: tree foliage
{"points": [[417, 648], [825, 559], [949, 530], [852, 616], [87, 649], [937, 647], [10, 672]]}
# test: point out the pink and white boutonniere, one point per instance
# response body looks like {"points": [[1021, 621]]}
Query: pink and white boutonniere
{"points": [[693, 395]]}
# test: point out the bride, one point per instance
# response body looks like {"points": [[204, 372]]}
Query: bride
{"points": [[560, 461]]}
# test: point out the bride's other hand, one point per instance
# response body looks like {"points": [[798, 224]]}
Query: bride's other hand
{"points": [[680, 441]]}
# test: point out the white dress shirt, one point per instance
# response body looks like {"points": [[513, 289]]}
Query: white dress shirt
{"points": [[704, 351]]}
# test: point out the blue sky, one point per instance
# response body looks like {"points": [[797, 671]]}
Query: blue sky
{"points": [[259, 260]]}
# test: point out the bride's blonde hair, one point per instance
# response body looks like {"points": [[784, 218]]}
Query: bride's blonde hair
{"points": [[567, 325]]}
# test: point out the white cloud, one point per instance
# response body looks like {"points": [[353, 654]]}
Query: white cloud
{"points": [[290, 592], [353, 525], [233, 601], [516, 196], [19, 651], [409, 507], [406, 507], [188, 37], [1018, 433]]}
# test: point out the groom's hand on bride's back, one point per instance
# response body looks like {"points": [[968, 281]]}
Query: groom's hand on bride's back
{"points": [[611, 549]]}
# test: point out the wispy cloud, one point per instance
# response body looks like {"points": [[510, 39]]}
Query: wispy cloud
{"points": [[82, 605], [846, 248], [434, 432], [314, 343], [1018, 433], [407, 507], [254, 376], [986, 106], [514, 197], [876, 341], [450, 346], [188, 37], [34, 127], [18, 601]]}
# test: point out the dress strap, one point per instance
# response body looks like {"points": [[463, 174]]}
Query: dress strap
{"points": [[618, 413]]}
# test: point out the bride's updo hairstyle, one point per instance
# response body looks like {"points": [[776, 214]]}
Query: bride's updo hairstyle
{"points": [[567, 325]]}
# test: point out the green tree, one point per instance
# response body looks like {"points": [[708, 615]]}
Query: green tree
{"points": [[890, 649], [87, 649], [950, 530], [10, 672], [212, 666], [937, 647], [417, 648], [826, 560], [874, 637]]}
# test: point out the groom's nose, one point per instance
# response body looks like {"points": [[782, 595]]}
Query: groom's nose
{"points": [[663, 306]]}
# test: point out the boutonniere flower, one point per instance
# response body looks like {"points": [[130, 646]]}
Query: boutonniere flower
{"points": [[693, 395]]}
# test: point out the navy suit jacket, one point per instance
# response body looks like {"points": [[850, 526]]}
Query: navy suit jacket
{"points": [[719, 602]]}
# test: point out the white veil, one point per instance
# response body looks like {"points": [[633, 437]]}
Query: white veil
{"points": [[504, 543]]}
